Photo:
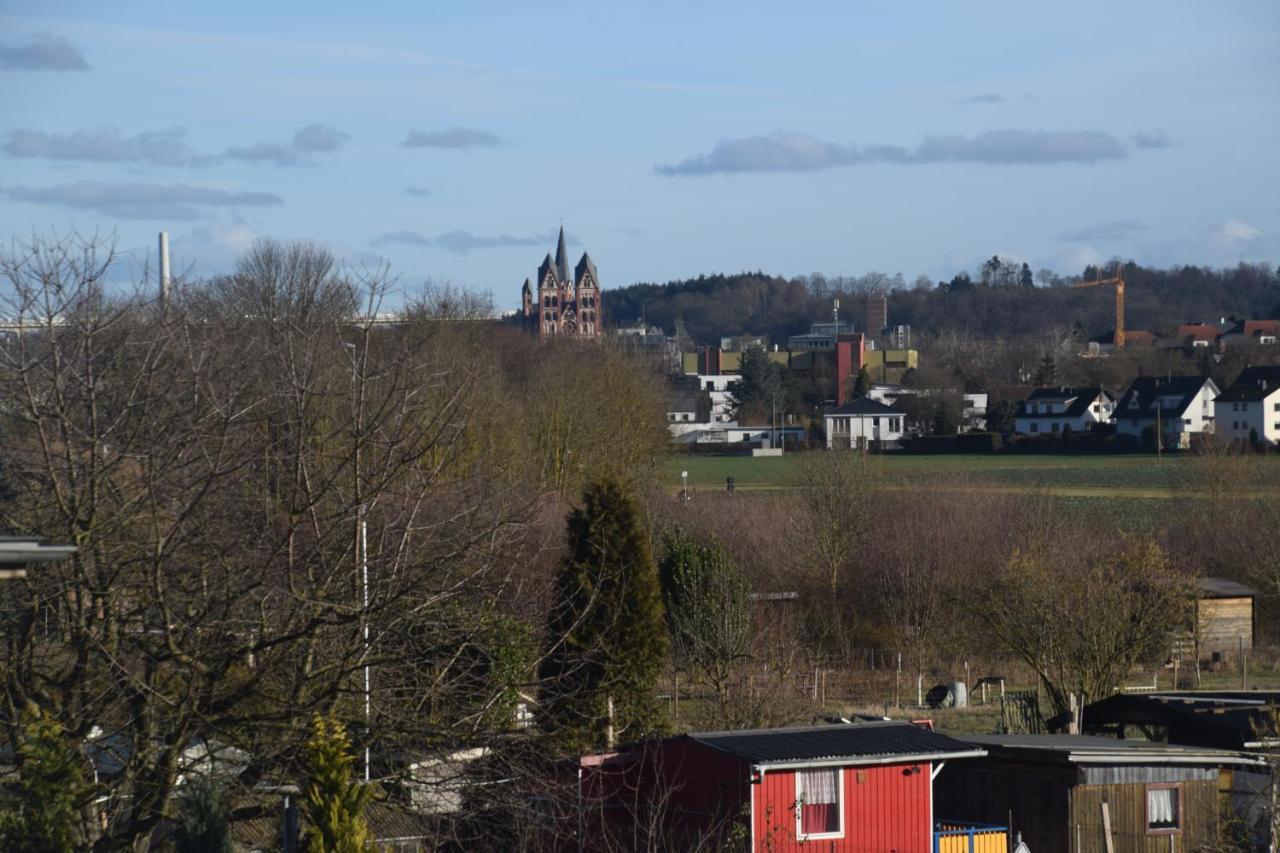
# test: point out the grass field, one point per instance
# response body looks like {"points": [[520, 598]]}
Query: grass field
{"points": [[1092, 477]]}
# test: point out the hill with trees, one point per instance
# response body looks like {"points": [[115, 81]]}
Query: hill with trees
{"points": [[1005, 300]]}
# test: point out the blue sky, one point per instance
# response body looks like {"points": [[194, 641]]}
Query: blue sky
{"points": [[672, 139]]}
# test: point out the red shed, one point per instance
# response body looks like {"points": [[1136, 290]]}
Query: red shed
{"points": [[840, 788]]}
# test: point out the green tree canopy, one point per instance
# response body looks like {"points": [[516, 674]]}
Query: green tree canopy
{"points": [[708, 608], [333, 801], [606, 631], [50, 788]]}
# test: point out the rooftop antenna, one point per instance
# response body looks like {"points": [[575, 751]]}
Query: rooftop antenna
{"points": [[835, 313], [164, 270]]}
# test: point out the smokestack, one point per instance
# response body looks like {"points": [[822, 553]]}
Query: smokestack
{"points": [[835, 315], [164, 269]]}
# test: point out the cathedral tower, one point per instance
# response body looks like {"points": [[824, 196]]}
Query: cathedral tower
{"points": [[561, 306]]}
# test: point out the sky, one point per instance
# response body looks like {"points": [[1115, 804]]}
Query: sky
{"points": [[670, 139]]}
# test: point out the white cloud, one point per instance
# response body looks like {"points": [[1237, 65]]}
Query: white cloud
{"points": [[1233, 232], [452, 137], [800, 152], [138, 200], [107, 145]]}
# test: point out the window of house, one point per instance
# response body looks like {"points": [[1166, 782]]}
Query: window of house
{"points": [[1244, 407], [1278, 407], [818, 804], [1235, 407], [1035, 427], [1164, 812], [1186, 421], [1054, 426]]}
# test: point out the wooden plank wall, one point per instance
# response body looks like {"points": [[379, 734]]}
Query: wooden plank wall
{"points": [[1222, 623], [1128, 806]]}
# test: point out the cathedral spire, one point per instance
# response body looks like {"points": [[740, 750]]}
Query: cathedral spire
{"points": [[562, 258]]}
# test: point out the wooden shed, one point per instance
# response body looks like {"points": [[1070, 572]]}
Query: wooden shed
{"points": [[1224, 621], [1081, 794], [838, 788]]}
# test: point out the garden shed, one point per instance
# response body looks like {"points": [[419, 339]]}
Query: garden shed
{"points": [[1081, 794]]}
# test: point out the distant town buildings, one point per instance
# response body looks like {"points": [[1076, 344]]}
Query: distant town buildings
{"points": [[562, 306]]}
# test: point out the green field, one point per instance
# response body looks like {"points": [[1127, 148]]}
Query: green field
{"points": [[1094, 477]]}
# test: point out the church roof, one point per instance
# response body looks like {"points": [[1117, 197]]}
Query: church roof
{"points": [[543, 268], [586, 265], [562, 258], [528, 287]]}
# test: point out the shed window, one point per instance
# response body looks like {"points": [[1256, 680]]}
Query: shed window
{"points": [[1163, 811], [819, 803]]}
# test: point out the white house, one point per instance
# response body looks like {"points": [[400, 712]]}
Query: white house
{"points": [[1183, 406], [720, 387], [863, 422], [1250, 407], [1051, 410]]}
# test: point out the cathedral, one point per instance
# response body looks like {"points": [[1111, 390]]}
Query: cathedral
{"points": [[562, 306]]}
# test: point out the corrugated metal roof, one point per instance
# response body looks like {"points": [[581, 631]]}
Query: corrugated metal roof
{"points": [[1103, 750], [1225, 588], [858, 741]]}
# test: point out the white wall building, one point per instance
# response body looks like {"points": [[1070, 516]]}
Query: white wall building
{"points": [[1051, 410], [863, 423], [1182, 405], [1250, 407]]}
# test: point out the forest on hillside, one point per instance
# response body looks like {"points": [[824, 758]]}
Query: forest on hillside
{"points": [[1005, 301]]}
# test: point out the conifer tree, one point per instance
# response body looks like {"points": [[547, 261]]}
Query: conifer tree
{"points": [[862, 384], [202, 818], [41, 817], [606, 635], [334, 802]]}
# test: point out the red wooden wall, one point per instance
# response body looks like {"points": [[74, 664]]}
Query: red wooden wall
{"points": [[886, 810]]}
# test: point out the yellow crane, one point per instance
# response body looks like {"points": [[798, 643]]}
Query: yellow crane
{"points": [[1118, 281]]}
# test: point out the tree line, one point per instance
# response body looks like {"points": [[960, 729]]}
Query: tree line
{"points": [[1001, 301]]}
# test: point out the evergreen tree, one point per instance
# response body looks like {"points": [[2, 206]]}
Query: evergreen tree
{"points": [[1025, 279], [759, 384], [605, 633], [862, 384], [708, 608], [1047, 371], [41, 817], [333, 801], [202, 818], [1001, 416]]}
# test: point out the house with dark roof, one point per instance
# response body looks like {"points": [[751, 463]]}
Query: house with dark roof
{"points": [[1082, 794], [1048, 411], [863, 423], [1176, 407], [837, 787], [1249, 410]]}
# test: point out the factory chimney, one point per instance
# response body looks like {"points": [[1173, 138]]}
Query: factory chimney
{"points": [[164, 270]]}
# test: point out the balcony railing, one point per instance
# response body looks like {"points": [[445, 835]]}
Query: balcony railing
{"points": [[956, 836]]}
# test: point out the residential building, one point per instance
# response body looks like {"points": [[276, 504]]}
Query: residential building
{"points": [[1081, 794], [1052, 410], [1196, 335], [1182, 406], [719, 386], [1259, 332], [689, 407], [1249, 409], [733, 433], [839, 788], [863, 423], [562, 305]]}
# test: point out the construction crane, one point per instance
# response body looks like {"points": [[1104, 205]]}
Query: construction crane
{"points": [[1118, 281]]}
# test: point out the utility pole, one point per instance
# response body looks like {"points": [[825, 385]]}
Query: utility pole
{"points": [[1159, 430]]}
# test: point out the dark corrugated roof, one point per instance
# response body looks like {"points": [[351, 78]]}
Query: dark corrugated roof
{"points": [[1225, 588], [832, 742], [1093, 749], [864, 406]]}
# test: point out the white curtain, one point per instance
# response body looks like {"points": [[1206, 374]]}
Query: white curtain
{"points": [[1161, 806], [818, 786]]}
